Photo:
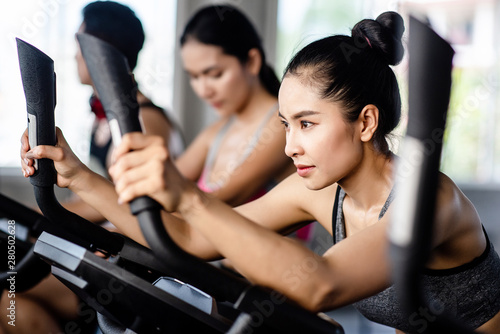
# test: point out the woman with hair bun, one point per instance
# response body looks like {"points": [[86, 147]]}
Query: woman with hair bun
{"points": [[338, 101]]}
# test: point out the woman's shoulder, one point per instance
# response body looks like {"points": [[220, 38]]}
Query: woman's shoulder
{"points": [[209, 133], [455, 216], [450, 197]]}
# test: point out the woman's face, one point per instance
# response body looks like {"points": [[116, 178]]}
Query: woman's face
{"points": [[321, 144], [83, 72], [219, 79]]}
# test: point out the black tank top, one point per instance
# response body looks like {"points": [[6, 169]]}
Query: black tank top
{"points": [[469, 293]]}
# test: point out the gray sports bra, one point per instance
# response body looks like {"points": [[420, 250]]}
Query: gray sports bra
{"points": [[214, 149], [469, 293]]}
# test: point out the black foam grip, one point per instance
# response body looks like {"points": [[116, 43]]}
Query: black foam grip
{"points": [[38, 77], [429, 92], [111, 76], [112, 79], [429, 81]]}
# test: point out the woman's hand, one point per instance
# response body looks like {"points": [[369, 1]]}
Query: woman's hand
{"points": [[142, 166], [67, 165]]}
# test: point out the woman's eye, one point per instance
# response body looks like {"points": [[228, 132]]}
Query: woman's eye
{"points": [[305, 124], [285, 124], [216, 75]]}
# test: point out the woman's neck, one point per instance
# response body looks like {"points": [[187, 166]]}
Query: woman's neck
{"points": [[371, 181], [258, 104]]}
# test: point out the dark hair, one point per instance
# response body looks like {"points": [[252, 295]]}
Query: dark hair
{"points": [[354, 70], [116, 24], [227, 27]]}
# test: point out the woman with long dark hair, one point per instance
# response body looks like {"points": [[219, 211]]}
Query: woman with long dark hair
{"points": [[240, 156]]}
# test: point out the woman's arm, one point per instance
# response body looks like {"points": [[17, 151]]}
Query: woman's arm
{"points": [[353, 269], [155, 123], [99, 193], [76, 205]]}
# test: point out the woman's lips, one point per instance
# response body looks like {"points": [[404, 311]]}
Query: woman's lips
{"points": [[304, 170], [216, 105]]}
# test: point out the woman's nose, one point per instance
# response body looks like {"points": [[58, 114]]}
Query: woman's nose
{"points": [[205, 89], [293, 147]]}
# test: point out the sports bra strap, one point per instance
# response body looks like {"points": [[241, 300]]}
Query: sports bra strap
{"points": [[334, 215]]}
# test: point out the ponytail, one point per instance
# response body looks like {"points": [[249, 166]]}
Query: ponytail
{"points": [[269, 79]]}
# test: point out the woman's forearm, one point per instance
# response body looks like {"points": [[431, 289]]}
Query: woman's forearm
{"points": [[263, 256], [100, 193]]}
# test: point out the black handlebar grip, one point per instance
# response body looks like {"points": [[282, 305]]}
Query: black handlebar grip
{"points": [[417, 172], [418, 164], [429, 81], [37, 72], [114, 84], [39, 80], [110, 73]]}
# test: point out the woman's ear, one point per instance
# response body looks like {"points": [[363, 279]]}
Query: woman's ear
{"points": [[368, 120], [254, 62]]}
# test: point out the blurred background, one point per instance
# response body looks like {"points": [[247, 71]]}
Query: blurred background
{"points": [[471, 155]]}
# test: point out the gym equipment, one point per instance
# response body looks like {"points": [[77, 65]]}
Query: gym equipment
{"points": [[28, 225], [38, 78], [418, 168], [26, 266], [123, 299], [72, 259]]}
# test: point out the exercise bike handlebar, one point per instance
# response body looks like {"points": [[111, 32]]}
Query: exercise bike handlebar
{"points": [[30, 269], [28, 217], [39, 82], [38, 78], [417, 169], [117, 91]]}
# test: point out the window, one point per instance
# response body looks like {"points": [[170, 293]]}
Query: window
{"points": [[50, 25], [471, 150], [303, 21]]}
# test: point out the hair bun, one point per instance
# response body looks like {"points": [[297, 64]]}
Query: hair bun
{"points": [[384, 35]]}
